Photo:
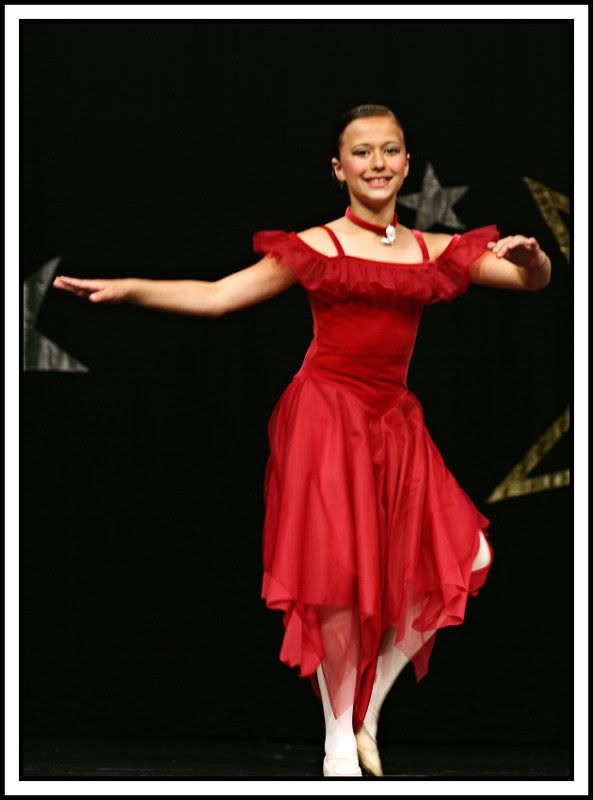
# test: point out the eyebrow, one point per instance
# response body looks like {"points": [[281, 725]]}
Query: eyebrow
{"points": [[389, 141]]}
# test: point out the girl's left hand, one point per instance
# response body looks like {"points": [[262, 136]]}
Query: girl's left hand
{"points": [[519, 250]]}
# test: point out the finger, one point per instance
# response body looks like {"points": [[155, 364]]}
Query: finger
{"points": [[69, 283], [101, 296], [70, 289], [83, 283], [510, 242], [501, 244], [73, 290], [59, 283], [104, 295], [499, 247]]}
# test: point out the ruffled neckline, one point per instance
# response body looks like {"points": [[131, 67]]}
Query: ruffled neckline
{"points": [[345, 276], [346, 256]]}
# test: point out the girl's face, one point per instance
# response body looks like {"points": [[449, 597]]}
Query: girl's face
{"points": [[372, 147]]}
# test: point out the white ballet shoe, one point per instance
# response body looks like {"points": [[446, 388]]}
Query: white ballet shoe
{"points": [[339, 766], [368, 752]]}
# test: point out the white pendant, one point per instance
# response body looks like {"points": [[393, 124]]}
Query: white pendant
{"points": [[389, 237]]}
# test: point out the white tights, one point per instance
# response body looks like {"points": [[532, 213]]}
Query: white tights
{"points": [[339, 733]]}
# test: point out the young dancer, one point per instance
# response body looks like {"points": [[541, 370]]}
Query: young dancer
{"points": [[370, 544]]}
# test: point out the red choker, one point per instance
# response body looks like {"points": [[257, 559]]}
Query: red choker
{"points": [[389, 233]]}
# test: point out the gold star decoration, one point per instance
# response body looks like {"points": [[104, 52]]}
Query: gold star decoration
{"points": [[517, 482]]}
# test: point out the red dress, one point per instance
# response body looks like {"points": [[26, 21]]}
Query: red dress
{"points": [[365, 527]]}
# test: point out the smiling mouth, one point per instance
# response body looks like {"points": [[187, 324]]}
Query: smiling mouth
{"points": [[378, 181]]}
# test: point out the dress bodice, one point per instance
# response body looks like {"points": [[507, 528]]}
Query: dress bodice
{"points": [[366, 313]]}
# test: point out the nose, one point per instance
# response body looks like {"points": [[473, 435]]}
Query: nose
{"points": [[377, 161]]}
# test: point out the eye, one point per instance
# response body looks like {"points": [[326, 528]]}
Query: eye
{"points": [[392, 149]]}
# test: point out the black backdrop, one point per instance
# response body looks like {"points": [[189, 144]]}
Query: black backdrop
{"points": [[156, 149]]}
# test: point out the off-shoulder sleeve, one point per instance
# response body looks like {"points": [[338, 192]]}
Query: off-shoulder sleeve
{"points": [[287, 248], [459, 256], [341, 276]]}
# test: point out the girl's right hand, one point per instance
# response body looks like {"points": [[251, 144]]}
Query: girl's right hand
{"points": [[116, 290]]}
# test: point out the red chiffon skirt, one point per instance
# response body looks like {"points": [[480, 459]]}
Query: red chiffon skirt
{"points": [[365, 530]]}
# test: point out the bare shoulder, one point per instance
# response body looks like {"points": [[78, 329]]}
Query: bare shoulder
{"points": [[436, 243], [318, 239]]}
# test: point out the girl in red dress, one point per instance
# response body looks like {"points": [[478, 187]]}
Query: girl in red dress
{"points": [[370, 544]]}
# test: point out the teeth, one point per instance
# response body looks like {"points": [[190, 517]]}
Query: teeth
{"points": [[378, 180]]}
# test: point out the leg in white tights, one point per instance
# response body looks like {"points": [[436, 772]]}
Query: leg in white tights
{"points": [[390, 663], [392, 660], [339, 734]]}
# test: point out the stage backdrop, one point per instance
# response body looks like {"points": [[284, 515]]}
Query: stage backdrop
{"points": [[157, 149]]}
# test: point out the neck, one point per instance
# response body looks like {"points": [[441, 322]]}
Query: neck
{"points": [[382, 215]]}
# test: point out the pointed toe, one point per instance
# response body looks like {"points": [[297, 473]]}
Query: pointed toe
{"points": [[368, 753]]}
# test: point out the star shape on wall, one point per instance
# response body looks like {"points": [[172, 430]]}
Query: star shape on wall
{"points": [[39, 352], [433, 204]]}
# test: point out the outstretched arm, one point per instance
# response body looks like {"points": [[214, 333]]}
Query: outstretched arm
{"points": [[244, 288], [254, 284], [514, 262]]}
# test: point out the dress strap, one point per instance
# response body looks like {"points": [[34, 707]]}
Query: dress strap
{"points": [[335, 240], [422, 243]]}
